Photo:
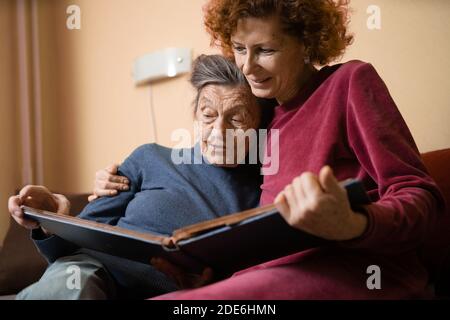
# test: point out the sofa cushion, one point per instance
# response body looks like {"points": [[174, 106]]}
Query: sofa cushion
{"points": [[20, 263], [436, 249]]}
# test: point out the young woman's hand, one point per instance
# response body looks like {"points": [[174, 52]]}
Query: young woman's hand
{"points": [[320, 206], [183, 279], [38, 197], [108, 183]]}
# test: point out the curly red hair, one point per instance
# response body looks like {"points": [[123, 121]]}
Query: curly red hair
{"points": [[321, 25]]}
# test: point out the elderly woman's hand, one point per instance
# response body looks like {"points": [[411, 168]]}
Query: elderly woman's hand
{"points": [[319, 205], [108, 183], [38, 197], [183, 279]]}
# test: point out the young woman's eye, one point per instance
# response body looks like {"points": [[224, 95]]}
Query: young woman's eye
{"points": [[238, 49]]}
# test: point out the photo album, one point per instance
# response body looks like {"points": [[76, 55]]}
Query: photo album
{"points": [[226, 244]]}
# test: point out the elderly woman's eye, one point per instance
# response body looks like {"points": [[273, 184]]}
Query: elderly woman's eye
{"points": [[267, 50], [208, 117], [236, 121]]}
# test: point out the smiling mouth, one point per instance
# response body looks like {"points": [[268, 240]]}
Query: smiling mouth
{"points": [[260, 81]]}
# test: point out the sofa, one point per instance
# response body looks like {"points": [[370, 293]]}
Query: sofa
{"points": [[21, 264]]}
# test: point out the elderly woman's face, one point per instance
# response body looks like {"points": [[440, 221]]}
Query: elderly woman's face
{"points": [[272, 61], [221, 108]]}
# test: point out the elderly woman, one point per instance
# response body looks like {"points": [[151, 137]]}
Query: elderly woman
{"points": [[162, 196], [340, 116]]}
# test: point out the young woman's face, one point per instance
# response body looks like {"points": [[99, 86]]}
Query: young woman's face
{"points": [[272, 61], [221, 108]]}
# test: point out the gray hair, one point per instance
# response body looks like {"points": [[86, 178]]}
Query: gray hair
{"points": [[215, 69]]}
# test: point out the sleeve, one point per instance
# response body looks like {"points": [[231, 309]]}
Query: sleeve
{"points": [[53, 247], [409, 202], [106, 210]]}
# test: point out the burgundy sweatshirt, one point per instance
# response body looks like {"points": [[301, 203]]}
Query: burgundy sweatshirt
{"points": [[346, 118]]}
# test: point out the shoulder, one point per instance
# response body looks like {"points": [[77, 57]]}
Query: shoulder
{"points": [[145, 157], [354, 70], [354, 77], [156, 152], [150, 149], [353, 65]]}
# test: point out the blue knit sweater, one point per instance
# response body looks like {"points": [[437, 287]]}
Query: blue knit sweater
{"points": [[163, 196]]}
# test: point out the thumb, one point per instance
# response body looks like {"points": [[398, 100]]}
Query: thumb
{"points": [[92, 197], [14, 203], [282, 205], [63, 204], [328, 181]]}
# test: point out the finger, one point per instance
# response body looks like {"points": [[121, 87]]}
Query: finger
{"points": [[17, 214], [293, 204], [104, 193], [290, 197], [118, 179], [63, 204], [31, 190], [329, 182], [105, 175], [106, 181], [105, 185], [115, 186], [46, 232], [38, 197], [92, 197], [27, 223], [282, 205], [310, 186], [14, 203], [102, 175], [297, 185]]}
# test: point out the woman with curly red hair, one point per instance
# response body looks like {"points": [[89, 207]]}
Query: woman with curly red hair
{"points": [[339, 117]]}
